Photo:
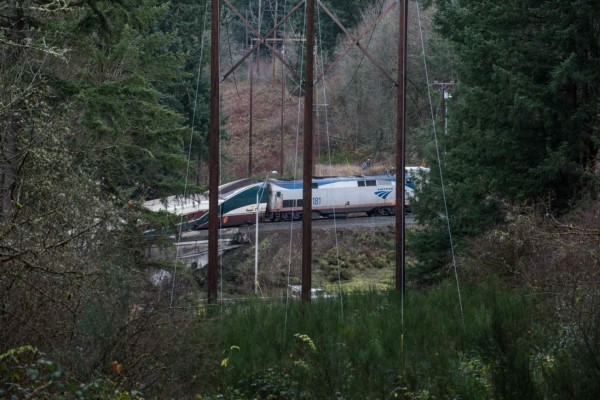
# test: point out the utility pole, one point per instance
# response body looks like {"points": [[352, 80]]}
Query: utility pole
{"points": [[281, 156], [281, 134], [272, 55], [309, 82], [308, 155], [400, 145], [251, 116], [259, 34], [445, 95], [214, 167]]}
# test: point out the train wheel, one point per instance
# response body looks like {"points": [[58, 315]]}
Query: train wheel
{"points": [[339, 215]]}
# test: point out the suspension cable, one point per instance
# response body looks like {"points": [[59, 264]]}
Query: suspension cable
{"points": [[189, 155], [287, 297], [324, 86], [230, 55], [437, 149]]}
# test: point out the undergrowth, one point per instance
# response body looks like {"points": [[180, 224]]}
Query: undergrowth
{"points": [[375, 346]]}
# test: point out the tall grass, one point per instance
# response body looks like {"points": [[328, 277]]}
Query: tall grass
{"points": [[367, 350]]}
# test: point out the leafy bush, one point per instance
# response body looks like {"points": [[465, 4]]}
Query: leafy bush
{"points": [[555, 260], [357, 347], [27, 373]]}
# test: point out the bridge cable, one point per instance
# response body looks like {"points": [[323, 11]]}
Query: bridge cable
{"points": [[437, 148], [362, 57], [324, 86], [231, 55], [287, 297], [189, 155]]}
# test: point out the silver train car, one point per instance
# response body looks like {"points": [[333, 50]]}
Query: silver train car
{"points": [[334, 196]]}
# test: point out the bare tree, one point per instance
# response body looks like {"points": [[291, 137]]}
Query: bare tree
{"points": [[364, 98]]}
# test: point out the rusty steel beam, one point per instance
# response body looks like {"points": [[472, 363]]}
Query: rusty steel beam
{"points": [[262, 39], [281, 156], [376, 64], [252, 50], [308, 155], [358, 39], [274, 39], [356, 42], [400, 145], [242, 18], [289, 14], [266, 39], [334, 18], [281, 133], [289, 67], [237, 64], [213, 180], [250, 117]]}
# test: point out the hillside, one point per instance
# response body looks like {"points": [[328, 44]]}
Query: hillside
{"points": [[266, 126], [267, 133], [344, 259]]}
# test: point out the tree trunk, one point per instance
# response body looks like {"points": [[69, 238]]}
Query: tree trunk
{"points": [[12, 125], [8, 169]]}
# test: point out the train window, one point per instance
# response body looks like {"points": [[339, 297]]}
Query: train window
{"points": [[371, 183], [292, 203], [315, 185], [278, 194], [361, 183]]}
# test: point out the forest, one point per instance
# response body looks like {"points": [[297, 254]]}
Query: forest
{"points": [[104, 104]]}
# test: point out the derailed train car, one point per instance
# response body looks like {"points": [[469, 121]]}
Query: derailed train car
{"points": [[281, 200], [236, 201], [237, 205]]}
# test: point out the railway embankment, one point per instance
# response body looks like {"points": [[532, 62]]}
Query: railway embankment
{"points": [[356, 257]]}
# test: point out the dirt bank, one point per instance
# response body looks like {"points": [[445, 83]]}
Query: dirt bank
{"points": [[357, 258]]}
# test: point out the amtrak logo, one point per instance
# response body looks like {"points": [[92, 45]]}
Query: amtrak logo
{"points": [[383, 193]]}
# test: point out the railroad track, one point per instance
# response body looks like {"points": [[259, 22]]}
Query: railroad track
{"points": [[330, 223]]}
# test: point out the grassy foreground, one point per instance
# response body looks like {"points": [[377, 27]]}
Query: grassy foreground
{"points": [[375, 346], [507, 344]]}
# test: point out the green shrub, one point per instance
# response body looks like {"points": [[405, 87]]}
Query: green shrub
{"points": [[25, 372], [360, 347]]}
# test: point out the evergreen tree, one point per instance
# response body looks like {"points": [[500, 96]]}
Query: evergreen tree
{"points": [[121, 83], [61, 235], [189, 27], [524, 115], [85, 125]]}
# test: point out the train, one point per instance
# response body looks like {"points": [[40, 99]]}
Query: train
{"points": [[281, 199]]}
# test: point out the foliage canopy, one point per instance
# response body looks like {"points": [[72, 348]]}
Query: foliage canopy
{"points": [[523, 120]]}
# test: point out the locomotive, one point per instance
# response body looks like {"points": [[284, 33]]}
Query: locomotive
{"points": [[333, 196]]}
